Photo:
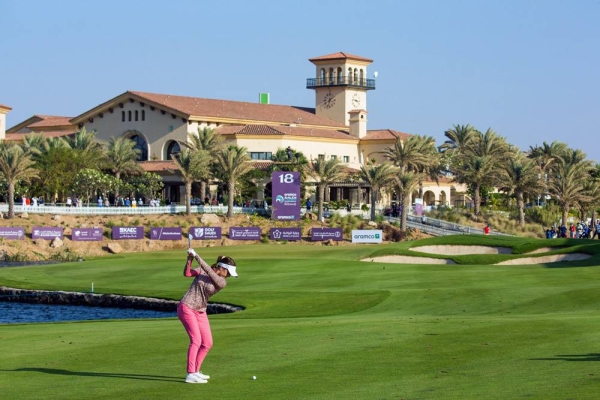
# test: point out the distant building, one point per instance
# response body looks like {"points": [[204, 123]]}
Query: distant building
{"points": [[336, 127]]}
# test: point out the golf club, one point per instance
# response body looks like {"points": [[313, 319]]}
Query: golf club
{"points": [[189, 240]]}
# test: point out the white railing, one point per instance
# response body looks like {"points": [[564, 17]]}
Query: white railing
{"points": [[94, 210]]}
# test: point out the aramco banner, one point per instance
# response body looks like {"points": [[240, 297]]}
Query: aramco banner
{"points": [[367, 236], [285, 203], [205, 232]]}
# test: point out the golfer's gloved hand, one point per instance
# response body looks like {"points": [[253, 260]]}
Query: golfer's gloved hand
{"points": [[192, 253]]}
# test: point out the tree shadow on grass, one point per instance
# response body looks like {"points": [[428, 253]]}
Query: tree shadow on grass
{"points": [[65, 372], [572, 357]]}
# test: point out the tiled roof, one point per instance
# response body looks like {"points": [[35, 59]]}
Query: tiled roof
{"points": [[5, 107], [50, 120], [18, 137], [227, 109], [262, 165], [385, 134], [284, 130], [340, 56]]}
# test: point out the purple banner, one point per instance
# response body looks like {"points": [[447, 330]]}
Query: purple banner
{"points": [[127, 232], [285, 234], [244, 233], [317, 234], [86, 234], [165, 233], [46, 232], [205, 232], [12, 232], [285, 203]]}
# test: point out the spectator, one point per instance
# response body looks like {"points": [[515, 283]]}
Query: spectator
{"points": [[41, 201], [69, 202], [100, 201], [308, 205], [140, 202], [348, 207], [486, 230], [127, 202]]}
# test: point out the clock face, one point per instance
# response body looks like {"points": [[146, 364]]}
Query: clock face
{"points": [[328, 100], [356, 100]]}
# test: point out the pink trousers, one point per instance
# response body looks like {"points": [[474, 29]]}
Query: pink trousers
{"points": [[198, 329]]}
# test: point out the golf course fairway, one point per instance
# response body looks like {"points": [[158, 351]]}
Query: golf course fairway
{"points": [[319, 323]]}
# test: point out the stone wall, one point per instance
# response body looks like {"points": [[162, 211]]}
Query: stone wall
{"points": [[101, 300]]}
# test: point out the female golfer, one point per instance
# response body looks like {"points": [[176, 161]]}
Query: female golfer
{"points": [[192, 308]]}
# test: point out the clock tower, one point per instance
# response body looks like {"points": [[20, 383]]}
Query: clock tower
{"points": [[340, 85]]}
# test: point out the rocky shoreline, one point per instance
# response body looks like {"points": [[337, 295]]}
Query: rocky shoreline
{"points": [[101, 300]]}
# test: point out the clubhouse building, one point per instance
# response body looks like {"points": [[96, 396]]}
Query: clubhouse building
{"points": [[335, 127]]}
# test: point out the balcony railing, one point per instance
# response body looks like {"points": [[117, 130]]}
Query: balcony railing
{"points": [[368, 84]]}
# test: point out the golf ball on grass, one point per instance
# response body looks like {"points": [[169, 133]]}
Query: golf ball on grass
{"points": [[253, 377]]}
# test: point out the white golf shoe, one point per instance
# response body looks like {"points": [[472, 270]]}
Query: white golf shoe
{"points": [[202, 376], [193, 378]]}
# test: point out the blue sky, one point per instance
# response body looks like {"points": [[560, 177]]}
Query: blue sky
{"points": [[528, 69]]}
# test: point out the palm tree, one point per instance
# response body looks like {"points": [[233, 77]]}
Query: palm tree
{"points": [[520, 176], [15, 165], [121, 158], [378, 176], [324, 172], [231, 163], [207, 140], [87, 152], [412, 154], [405, 184], [191, 165], [567, 181], [477, 164]]}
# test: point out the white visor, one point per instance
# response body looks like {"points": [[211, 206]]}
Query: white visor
{"points": [[229, 268]]}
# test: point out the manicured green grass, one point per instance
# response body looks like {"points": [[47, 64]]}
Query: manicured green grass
{"points": [[319, 324]]}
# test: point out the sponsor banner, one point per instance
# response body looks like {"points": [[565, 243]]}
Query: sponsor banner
{"points": [[205, 232], [285, 234], [12, 232], [367, 236], [317, 234], [285, 201], [244, 233], [127, 232], [46, 232], [419, 207], [165, 233], [86, 234]]}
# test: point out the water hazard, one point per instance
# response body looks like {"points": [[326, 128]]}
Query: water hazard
{"points": [[18, 313]]}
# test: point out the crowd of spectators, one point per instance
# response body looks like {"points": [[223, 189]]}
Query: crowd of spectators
{"points": [[579, 230]]}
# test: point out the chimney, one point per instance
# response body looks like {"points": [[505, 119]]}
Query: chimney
{"points": [[358, 123], [3, 111]]}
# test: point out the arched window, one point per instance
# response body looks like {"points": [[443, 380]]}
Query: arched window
{"points": [[143, 115], [136, 115], [362, 77], [141, 145], [123, 116], [129, 113], [331, 76], [340, 76], [323, 76], [355, 76], [349, 75], [173, 148]]}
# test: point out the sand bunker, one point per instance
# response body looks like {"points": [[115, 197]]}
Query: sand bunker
{"points": [[546, 259], [409, 260], [458, 250], [545, 250]]}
